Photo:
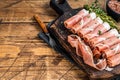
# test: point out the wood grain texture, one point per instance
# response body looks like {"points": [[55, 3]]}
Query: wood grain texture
{"points": [[27, 8], [23, 56]]}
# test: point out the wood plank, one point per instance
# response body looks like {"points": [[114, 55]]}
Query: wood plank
{"points": [[36, 68], [15, 36], [23, 56], [20, 43], [12, 11], [19, 29]]}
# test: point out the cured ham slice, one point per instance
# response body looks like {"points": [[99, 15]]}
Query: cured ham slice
{"points": [[105, 45], [83, 22], [97, 54], [76, 18], [86, 53], [73, 40], [111, 51], [90, 26], [96, 40], [114, 60], [98, 31]]}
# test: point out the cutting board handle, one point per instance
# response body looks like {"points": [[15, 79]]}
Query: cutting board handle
{"points": [[60, 6]]}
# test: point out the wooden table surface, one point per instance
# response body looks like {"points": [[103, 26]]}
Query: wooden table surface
{"points": [[23, 56]]}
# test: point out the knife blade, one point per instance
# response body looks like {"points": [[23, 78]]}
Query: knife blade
{"points": [[45, 35], [44, 28]]}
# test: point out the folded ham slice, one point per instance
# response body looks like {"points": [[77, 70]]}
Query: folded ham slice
{"points": [[111, 51], [102, 28], [76, 18], [97, 54], [114, 60], [105, 45], [90, 27], [74, 41], [96, 40], [108, 43], [83, 22], [86, 53]]}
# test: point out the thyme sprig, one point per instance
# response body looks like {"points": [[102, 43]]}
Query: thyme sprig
{"points": [[95, 7]]}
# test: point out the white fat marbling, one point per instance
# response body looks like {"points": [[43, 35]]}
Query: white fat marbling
{"points": [[114, 31], [106, 25], [85, 11], [92, 15], [99, 20]]}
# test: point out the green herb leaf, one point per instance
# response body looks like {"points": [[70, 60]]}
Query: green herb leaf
{"points": [[95, 7], [99, 32]]}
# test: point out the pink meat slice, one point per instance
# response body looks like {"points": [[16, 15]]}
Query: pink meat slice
{"points": [[96, 53], [75, 19], [88, 28], [81, 24], [114, 60], [111, 51], [107, 43], [73, 40], [86, 53], [98, 31], [102, 37]]}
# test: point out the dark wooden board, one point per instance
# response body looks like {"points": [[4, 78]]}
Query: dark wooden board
{"points": [[18, 38]]}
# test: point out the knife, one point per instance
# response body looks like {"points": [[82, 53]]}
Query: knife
{"points": [[44, 28], [49, 40]]}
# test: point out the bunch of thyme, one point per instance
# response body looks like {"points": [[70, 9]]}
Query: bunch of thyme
{"points": [[95, 7]]}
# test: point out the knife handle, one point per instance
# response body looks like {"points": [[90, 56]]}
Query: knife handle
{"points": [[42, 25]]}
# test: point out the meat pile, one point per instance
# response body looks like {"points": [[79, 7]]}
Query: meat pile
{"points": [[94, 40], [114, 5]]}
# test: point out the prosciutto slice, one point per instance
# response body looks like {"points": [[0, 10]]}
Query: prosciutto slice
{"points": [[111, 51], [114, 60], [86, 53], [105, 45], [74, 41], [96, 40], [76, 18], [90, 27], [83, 22], [98, 31]]}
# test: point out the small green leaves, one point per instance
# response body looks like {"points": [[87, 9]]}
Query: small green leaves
{"points": [[94, 7], [99, 32]]}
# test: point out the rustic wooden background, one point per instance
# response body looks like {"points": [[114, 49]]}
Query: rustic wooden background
{"points": [[23, 56]]}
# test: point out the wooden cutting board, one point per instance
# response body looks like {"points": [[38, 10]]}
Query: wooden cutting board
{"points": [[23, 56]]}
